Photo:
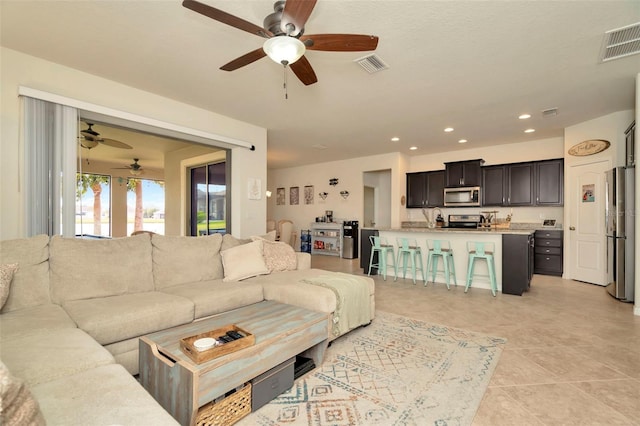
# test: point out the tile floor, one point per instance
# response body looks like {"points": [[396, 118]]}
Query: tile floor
{"points": [[573, 352]]}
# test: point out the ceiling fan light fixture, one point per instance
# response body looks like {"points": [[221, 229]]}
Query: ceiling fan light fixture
{"points": [[135, 172], [284, 49], [86, 143]]}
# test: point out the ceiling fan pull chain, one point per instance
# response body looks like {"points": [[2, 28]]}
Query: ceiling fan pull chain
{"points": [[284, 85]]}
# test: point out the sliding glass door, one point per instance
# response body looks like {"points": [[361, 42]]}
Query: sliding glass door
{"points": [[209, 199]]}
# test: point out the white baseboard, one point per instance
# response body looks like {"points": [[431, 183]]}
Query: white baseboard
{"points": [[636, 310]]}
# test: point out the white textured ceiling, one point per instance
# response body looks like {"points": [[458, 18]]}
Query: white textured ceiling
{"points": [[471, 65]]}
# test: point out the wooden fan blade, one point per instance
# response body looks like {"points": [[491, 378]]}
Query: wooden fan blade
{"points": [[114, 143], [244, 60], [226, 18], [340, 42], [302, 69], [296, 12]]}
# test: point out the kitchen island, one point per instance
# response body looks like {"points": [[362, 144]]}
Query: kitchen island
{"points": [[513, 254]]}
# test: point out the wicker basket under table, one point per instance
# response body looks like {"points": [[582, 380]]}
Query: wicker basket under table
{"points": [[227, 411]]}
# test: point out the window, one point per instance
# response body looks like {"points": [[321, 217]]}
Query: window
{"points": [[208, 199], [93, 205], [145, 205]]}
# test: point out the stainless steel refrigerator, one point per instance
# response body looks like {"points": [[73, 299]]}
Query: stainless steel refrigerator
{"points": [[620, 222]]}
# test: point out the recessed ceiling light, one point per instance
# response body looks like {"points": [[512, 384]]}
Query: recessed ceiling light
{"points": [[530, 130], [462, 141], [413, 148], [395, 139], [448, 129], [524, 116]]}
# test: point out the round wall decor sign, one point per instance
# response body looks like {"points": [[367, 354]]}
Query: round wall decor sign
{"points": [[589, 147]]}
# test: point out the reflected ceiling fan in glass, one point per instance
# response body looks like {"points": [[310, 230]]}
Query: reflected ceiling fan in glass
{"points": [[91, 139]]}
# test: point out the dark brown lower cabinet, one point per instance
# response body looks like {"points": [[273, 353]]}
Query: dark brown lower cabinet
{"points": [[517, 263], [548, 260]]}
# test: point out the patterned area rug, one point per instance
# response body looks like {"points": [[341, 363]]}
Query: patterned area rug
{"points": [[397, 371]]}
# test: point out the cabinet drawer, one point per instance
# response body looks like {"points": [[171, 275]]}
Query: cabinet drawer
{"points": [[545, 242], [548, 250], [549, 234], [548, 262]]}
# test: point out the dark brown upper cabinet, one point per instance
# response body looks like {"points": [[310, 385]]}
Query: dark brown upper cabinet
{"points": [[549, 183], [463, 173], [493, 185], [425, 189]]}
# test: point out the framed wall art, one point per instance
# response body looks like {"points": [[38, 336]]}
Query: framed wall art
{"points": [[280, 197], [308, 194], [294, 195]]}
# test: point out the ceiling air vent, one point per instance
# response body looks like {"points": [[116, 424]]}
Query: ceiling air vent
{"points": [[372, 63], [551, 112], [621, 42]]}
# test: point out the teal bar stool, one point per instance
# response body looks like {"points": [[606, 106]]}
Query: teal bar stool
{"points": [[379, 245], [481, 251], [408, 249], [440, 249]]}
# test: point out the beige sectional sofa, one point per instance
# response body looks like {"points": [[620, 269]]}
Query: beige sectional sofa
{"points": [[70, 326]]}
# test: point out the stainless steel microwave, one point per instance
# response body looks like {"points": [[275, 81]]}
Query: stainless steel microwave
{"points": [[461, 197]]}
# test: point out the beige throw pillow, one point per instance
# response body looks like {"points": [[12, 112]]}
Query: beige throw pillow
{"points": [[244, 261], [279, 256], [6, 276], [17, 405]]}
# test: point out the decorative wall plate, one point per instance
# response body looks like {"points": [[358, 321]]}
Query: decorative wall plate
{"points": [[589, 147]]}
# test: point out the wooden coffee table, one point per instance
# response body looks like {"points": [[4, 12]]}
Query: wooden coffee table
{"points": [[182, 386]]}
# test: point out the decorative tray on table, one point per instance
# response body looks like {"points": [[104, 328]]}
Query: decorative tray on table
{"points": [[212, 344]]}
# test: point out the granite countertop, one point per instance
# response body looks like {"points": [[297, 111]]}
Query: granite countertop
{"points": [[424, 229]]}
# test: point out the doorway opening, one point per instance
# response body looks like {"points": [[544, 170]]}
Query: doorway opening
{"points": [[377, 198]]}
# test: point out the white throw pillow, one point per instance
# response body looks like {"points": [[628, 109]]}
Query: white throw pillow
{"points": [[244, 261], [6, 276]]}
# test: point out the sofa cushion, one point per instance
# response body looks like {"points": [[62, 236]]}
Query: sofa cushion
{"points": [[244, 261], [180, 260], [287, 287], [6, 276], [18, 407], [30, 285], [84, 269], [214, 297], [47, 356], [229, 241], [116, 318], [28, 321], [106, 395]]}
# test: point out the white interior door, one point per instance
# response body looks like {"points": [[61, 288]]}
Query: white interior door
{"points": [[587, 240]]}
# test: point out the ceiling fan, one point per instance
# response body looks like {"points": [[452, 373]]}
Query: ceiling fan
{"points": [[90, 139], [286, 42], [134, 168]]}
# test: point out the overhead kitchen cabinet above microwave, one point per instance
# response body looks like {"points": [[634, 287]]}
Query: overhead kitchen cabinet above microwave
{"points": [[463, 173]]}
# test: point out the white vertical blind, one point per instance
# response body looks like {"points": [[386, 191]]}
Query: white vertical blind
{"points": [[50, 138]]}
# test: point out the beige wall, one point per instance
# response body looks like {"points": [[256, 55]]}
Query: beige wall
{"points": [[18, 69], [350, 174]]}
